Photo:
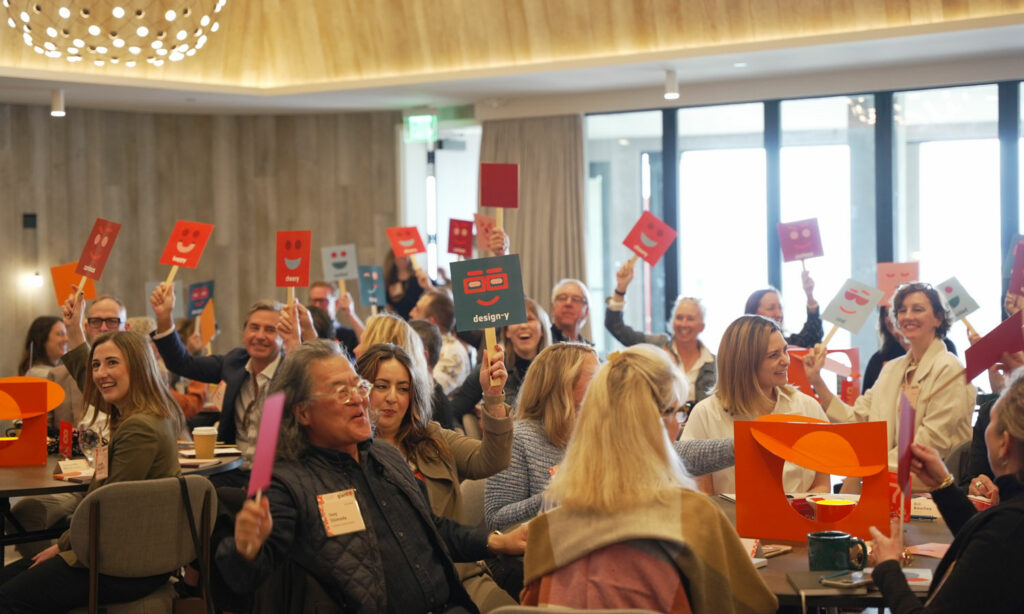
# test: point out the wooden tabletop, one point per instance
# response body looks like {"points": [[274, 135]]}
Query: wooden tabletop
{"points": [[774, 574], [38, 479]]}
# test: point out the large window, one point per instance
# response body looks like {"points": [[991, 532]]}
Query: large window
{"points": [[722, 226], [827, 163], [623, 155], [947, 206]]}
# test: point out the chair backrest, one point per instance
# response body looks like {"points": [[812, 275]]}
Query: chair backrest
{"points": [[473, 502], [142, 525], [958, 460]]}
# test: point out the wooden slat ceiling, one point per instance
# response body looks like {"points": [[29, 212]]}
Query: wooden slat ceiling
{"points": [[312, 45]]}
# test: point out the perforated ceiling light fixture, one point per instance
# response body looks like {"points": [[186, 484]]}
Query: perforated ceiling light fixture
{"points": [[57, 103], [123, 32], [671, 85]]}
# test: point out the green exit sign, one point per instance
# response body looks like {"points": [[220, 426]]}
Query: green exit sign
{"points": [[421, 128]]}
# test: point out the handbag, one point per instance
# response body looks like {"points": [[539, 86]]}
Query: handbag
{"points": [[201, 604]]}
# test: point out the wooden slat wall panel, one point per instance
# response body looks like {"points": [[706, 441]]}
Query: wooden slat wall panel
{"points": [[271, 43], [249, 175]]}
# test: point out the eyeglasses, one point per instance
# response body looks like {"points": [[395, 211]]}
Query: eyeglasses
{"points": [[571, 298], [680, 414], [345, 392], [99, 322]]}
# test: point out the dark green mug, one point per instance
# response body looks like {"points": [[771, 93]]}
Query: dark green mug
{"points": [[830, 550]]}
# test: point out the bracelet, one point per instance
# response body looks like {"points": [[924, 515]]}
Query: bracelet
{"points": [[493, 399], [619, 293], [946, 481]]}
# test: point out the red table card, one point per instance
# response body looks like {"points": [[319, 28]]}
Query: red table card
{"points": [[186, 245], [1006, 338], [499, 185], [650, 238], [293, 258], [97, 248], [266, 444]]}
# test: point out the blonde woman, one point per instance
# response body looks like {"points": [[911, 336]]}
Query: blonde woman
{"points": [[634, 534], [753, 367], [545, 415]]}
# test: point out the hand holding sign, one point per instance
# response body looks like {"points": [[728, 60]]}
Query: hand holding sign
{"points": [[488, 292], [650, 238], [800, 240], [493, 378], [851, 307]]}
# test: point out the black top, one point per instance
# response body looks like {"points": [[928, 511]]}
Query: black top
{"points": [[811, 333], [346, 337], [987, 552], [441, 407], [879, 358], [412, 292]]}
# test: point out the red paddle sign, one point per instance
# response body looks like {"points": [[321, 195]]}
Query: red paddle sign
{"points": [[186, 245]]}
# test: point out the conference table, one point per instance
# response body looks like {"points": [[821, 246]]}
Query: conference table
{"points": [[774, 574], [38, 480]]}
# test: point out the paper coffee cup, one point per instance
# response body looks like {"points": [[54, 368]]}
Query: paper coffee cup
{"points": [[206, 440]]}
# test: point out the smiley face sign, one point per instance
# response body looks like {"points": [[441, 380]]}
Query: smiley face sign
{"points": [[199, 294], [405, 241], [371, 285], [650, 238], [484, 225], [800, 240], [293, 258], [892, 275], [340, 262], [97, 248], [956, 298], [460, 237], [499, 185], [186, 245], [853, 304], [488, 292]]}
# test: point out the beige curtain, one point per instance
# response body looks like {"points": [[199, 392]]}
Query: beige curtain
{"points": [[547, 229]]}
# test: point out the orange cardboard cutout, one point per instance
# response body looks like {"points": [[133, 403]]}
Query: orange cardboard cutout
{"points": [[64, 277], [28, 398], [207, 323], [764, 445]]}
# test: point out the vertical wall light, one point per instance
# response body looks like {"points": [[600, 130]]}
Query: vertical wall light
{"points": [[57, 103], [671, 85]]}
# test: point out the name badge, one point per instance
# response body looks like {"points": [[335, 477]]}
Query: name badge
{"points": [[340, 513], [100, 463]]}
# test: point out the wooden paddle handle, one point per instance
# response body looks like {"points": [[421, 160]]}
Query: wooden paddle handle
{"points": [[490, 340]]}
